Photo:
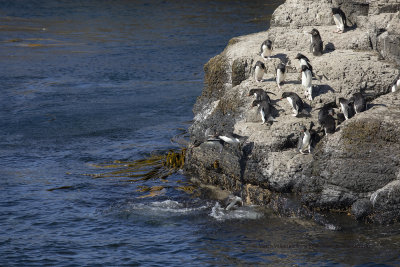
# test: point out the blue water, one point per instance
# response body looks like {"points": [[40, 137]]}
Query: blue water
{"points": [[86, 85]]}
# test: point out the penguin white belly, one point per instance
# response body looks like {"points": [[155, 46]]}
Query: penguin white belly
{"points": [[394, 88], [306, 78], [262, 115], [280, 76], [338, 21], [345, 111], [290, 101], [398, 83], [306, 139], [229, 140], [259, 72]]}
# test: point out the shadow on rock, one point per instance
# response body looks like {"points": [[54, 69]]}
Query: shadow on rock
{"points": [[329, 47], [283, 57], [321, 89]]}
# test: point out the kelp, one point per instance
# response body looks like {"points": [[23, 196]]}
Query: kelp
{"points": [[152, 167]]}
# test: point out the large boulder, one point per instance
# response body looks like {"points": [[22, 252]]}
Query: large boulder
{"points": [[353, 170]]}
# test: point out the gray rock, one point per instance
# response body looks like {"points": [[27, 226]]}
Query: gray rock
{"points": [[360, 160], [361, 208]]}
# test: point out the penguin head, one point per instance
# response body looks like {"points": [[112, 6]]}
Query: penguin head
{"points": [[260, 64], [343, 101], [300, 56], [281, 67], [335, 10], [303, 128], [268, 43], [285, 95], [252, 92], [314, 32]]}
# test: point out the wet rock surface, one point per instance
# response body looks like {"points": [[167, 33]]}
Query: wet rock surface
{"points": [[355, 170]]}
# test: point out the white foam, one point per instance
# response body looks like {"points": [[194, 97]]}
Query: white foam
{"points": [[221, 214], [207, 111]]}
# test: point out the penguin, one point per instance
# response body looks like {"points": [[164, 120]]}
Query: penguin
{"points": [[359, 102], [261, 94], [280, 74], [233, 202], [229, 138], [396, 85], [303, 60], [340, 20], [305, 140], [346, 107], [306, 81], [265, 110], [295, 102], [266, 49], [259, 70], [316, 46], [325, 117]]}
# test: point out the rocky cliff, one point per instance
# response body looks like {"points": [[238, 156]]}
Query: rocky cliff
{"points": [[354, 171]]}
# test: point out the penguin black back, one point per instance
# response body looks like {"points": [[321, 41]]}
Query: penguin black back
{"points": [[281, 67], [267, 43], [260, 65], [260, 95], [295, 101], [360, 104], [326, 119], [316, 46], [337, 10]]}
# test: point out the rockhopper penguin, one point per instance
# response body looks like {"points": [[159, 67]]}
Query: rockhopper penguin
{"points": [[259, 70], [340, 20], [260, 94], [295, 102], [265, 109], [266, 49], [316, 46], [280, 74]]}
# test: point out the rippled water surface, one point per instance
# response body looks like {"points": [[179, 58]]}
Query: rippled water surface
{"points": [[91, 94]]}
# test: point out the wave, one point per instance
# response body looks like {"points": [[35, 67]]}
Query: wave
{"points": [[247, 212]]}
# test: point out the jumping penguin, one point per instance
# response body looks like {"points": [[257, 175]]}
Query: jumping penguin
{"points": [[266, 49], [259, 70], [346, 108], [325, 117], [340, 19], [316, 46], [280, 74], [359, 102], [229, 138], [265, 109], [260, 94], [305, 140], [295, 102]]}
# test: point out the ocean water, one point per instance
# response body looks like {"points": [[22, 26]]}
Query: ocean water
{"points": [[92, 92]]}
